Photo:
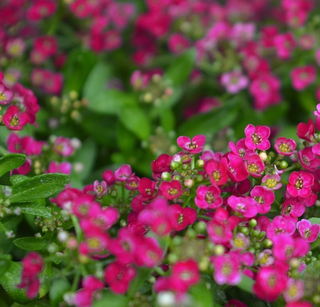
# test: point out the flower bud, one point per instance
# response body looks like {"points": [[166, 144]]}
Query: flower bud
{"points": [[263, 156], [253, 223], [189, 183], [166, 176], [199, 163], [174, 165], [283, 164], [219, 250]]}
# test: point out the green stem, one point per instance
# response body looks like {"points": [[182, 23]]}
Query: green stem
{"points": [[204, 217], [192, 162], [77, 228], [76, 281], [292, 167]]}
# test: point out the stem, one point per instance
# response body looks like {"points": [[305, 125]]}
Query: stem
{"points": [[204, 217], [292, 167], [77, 228], [192, 162], [3, 151], [76, 281]]}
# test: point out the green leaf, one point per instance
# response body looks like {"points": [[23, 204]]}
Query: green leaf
{"points": [[4, 263], [141, 277], [136, 120], [46, 276], [37, 209], [180, 70], [110, 299], [202, 295], [167, 120], [77, 69], [246, 283], [11, 221], [110, 102], [58, 288], [96, 81], [41, 186], [125, 139], [15, 179], [210, 122], [314, 220], [9, 281], [31, 243], [10, 162]]}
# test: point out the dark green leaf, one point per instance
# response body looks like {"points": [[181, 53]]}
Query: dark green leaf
{"points": [[125, 139], [181, 68], [41, 186], [210, 122], [167, 120], [110, 299], [202, 295], [11, 221], [15, 179], [10, 162], [141, 277], [246, 283], [58, 288], [110, 101], [46, 276], [136, 120], [31, 243], [37, 209], [4, 263]]}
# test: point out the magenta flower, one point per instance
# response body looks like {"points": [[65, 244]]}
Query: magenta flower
{"points": [[118, 277], [147, 188], [177, 43], [308, 231], [15, 120], [246, 206], [293, 208], [294, 291], [100, 188], [299, 304], [171, 189], [226, 269], [32, 265], [108, 177], [208, 197], [123, 173], [257, 137], [263, 197], [255, 166], [285, 146], [302, 77], [265, 258], [217, 171], [195, 146], [280, 225], [62, 146], [271, 182], [240, 242], [149, 253], [180, 217], [236, 168], [285, 44], [306, 131], [308, 159], [5, 95], [240, 149], [235, 303], [300, 184], [234, 81], [184, 275], [84, 297], [41, 9], [270, 282], [160, 165]]}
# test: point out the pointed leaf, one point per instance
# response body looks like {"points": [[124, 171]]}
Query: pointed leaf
{"points": [[58, 288], [141, 277], [31, 243], [4, 263], [41, 186], [15, 179], [111, 299], [36, 209], [10, 162], [202, 295]]}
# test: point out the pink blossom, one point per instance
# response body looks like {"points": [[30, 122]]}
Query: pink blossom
{"points": [[192, 146], [306, 131], [147, 188], [271, 182], [180, 217], [237, 170], [255, 166], [123, 173], [257, 137], [302, 77], [308, 231], [285, 146], [240, 149], [5, 95], [100, 188], [300, 184], [294, 291], [217, 171], [63, 147], [15, 120], [265, 258], [235, 303], [263, 197], [171, 189], [280, 225], [299, 304], [84, 297], [208, 197], [41, 9], [308, 159], [240, 242], [285, 44], [234, 81], [178, 43], [293, 208], [246, 206]]}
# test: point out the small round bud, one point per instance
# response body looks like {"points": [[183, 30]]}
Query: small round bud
{"points": [[174, 165], [267, 243], [166, 176], [283, 164], [201, 227], [199, 163], [253, 223], [294, 263], [176, 240], [172, 258], [263, 156], [177, 177], [244, 230], [199, 178], [189, 183], [191, 233], [219, 250]]}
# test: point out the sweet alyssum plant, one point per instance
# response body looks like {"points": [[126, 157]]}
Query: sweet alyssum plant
{"points": [[209, 229]]}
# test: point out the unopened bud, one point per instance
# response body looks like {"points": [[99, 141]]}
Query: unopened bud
{"points": [[263, 156]]}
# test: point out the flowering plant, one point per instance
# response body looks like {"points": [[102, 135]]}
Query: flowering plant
{"points": [[209, 229]]}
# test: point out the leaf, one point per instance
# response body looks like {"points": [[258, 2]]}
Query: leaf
{"points": [[37, 209], [4, 263], [141, 277], [10, 162], [58, 288], [46, 276], [167, 120], [180, 70], [246, 283], [77, 69], [110, 102], [41, 186], [11, 221], [96, 81], [110, 299], [31, 243], [125, 138], [314, 220], [210, 122], [136, 120], [202, 295], [9, 281], [15, 179]]}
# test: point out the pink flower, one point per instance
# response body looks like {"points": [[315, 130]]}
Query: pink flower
{"points": [[160, 165], [240, 242], [178, 43], [147, 188], [280, 225], [41, 9], [285, 146], [180, 217], [226, 269], [63, 147], [237, 170], [15, 120], [257, 137], [5, 95], [263, 197], [255, 166], [294, 291], [285, 44], [269, 283], [234, 81], [100, 188], [246, 206], [299, 304], [118, 276], [306, 131], [171, 189], [123, 173], [240, 149], [271, 182], [32, 265], [217, 171], [235, 303], [84, 297], [293, 208], [184, 275], [46, 45], [208, 197], [302, 77], [308, 231], [108, 177], [193, 147], [300, 184]]}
